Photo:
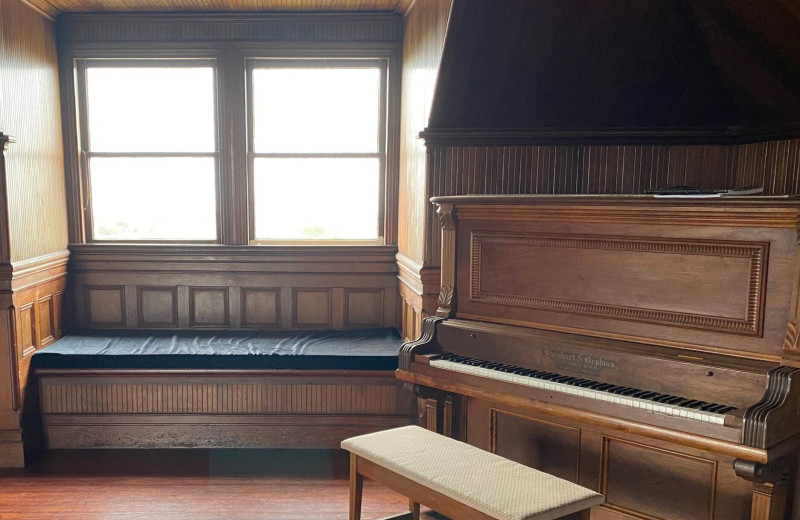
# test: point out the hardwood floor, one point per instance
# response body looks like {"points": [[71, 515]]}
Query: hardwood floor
{"points": [[191, 485]]}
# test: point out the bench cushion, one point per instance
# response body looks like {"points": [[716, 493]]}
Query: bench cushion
{"points": [[365, 349], [484, 481]]}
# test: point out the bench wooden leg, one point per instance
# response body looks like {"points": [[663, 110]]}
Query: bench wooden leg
{"points": [[414, 508], [356, 488]]}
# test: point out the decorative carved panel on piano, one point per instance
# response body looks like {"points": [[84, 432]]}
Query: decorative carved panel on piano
{"points": [[643, 347]]}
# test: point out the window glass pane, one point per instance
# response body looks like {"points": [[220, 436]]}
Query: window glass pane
{"points": [[316, 199], [313, 110], [153, 199], [150, 109]]}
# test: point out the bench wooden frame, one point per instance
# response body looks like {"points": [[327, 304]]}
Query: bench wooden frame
{"points": [[194, 408], [409, 460]]}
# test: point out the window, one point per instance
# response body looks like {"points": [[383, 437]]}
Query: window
{"points": [[149, 149], [296, 153], [317, 151]]}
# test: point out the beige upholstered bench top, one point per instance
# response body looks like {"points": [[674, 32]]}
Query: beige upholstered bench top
{"points": [[495, 486]]}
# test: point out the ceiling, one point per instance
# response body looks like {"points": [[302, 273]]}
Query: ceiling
{"points": [[53, 8]]}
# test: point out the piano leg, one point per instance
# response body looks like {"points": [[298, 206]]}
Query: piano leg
{"points": [[770, 487], [442, 413], [769, 501]]}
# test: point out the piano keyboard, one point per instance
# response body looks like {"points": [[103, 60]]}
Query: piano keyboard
{"points": [[625, 396]]}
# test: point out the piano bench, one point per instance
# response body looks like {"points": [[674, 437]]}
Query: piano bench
{"points": [[458, 480]]}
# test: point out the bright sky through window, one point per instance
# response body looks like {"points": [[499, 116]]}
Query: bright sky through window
{"points": [[317, 155], [151, 152]]}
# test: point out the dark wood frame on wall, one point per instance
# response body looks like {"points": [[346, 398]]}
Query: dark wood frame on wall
{"points": [[230, 40]]}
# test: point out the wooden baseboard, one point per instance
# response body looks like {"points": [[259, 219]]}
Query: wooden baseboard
{"points": [[199, 431], [11, 452]]}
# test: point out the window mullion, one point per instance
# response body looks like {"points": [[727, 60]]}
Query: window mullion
{"points": [[233, 182]]}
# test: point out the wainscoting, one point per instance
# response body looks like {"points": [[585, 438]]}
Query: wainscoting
{"points": [[234, 287]]}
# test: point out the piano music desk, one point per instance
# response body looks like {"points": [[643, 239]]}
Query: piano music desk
{"points": [[458, 480]]}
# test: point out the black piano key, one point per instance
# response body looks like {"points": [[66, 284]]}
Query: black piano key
{"points": [[635, 393]]}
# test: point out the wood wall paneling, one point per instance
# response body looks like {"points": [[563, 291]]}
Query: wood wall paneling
{"points": [[157, 306], [261, 307], [48, 329], [199, 27], [208, 307], [235, 287], [312, 308], [30, 111], [54, 7], [105, 306], [424, 32], [363, 308], [286, 409]]}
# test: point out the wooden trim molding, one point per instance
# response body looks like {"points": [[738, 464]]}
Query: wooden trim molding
{"points": [[587, 136], [197, 27], [44, 8]]}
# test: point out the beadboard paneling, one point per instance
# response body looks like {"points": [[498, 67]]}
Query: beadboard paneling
{"points": [[53, 7], [274, 27], [217, 408], [772, 164], [425, 26], [462, 170], [30, 111]]}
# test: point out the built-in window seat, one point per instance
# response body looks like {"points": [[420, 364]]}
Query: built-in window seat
{"points": [[208, 389]]}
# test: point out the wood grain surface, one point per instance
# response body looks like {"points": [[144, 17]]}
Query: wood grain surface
{"points": [[197, 484]]}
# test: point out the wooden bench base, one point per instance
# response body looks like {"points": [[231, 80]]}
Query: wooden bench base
{"points": [[459, 480]]}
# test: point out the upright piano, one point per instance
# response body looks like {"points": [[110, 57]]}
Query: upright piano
{"points": [[647, 348]]}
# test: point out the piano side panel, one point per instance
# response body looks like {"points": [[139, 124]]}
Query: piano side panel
{"points": [[702, 288], [641, 478]]}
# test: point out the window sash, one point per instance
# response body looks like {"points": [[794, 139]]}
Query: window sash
{"points": [[344, 63], [81, 66]]}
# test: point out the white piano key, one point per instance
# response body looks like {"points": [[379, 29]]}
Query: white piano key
{"points": [[600, 395]]}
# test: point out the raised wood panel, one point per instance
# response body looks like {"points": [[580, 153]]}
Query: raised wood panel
{"points": [[261, 307], [26, 328], [29, 97], [312, 308], [208, 307], [105, 305], [363, 308], [157, 306], [643, 479], [544, 445], [423, 39], [236, 287], [48, 330], [36, 286], [726, 280]]}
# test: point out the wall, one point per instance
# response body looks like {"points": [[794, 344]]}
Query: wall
{"points": [[33, 227], [425, 26], [30, 111]]}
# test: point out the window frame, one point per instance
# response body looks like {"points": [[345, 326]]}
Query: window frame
{"points": [[344, 62], [230, 53], [80, 69]]}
